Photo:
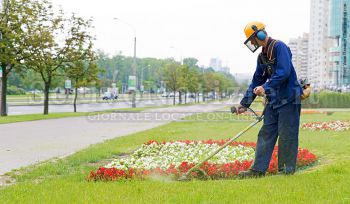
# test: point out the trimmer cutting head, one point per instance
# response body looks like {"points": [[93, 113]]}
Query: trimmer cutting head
{"points": [[201, 175]]}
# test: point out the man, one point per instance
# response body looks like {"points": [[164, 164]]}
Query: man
{"points": [[276, 79]]}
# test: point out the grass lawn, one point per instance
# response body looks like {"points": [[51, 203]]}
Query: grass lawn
{"points": [[63, 180]]}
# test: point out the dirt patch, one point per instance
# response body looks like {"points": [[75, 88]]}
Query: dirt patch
{"points": [[7, 181]]}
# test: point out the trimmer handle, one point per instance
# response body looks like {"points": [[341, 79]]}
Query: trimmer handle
{"points": [[234, 109]]}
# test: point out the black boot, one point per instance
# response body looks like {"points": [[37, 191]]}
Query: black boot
{"points": [[250, 174], [284, 172]]}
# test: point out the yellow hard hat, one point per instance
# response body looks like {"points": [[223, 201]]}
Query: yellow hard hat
{"points": [[252, 27], [252, 30]]}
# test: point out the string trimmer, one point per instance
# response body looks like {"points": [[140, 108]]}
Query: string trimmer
{"points": [[186, 176]]}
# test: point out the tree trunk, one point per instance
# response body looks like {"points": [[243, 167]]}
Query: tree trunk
{"points": [[46, 98], [185, 97], [203, 97], [174, 98], [75, 99], [180, 99], [3, 92]]}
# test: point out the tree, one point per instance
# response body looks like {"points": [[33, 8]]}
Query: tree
{"points": [[183, 82], [190, 62], [47, 54], [193, 83], [83, 73], [50, 44], [15, 24], [189, 80], [81, 68], [172, 76], [208, 83]]}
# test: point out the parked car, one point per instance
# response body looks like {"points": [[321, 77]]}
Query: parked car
{"points": [[36, 91], [109, 96]]}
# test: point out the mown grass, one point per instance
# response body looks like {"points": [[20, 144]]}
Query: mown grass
{"points": [[63, 180]]}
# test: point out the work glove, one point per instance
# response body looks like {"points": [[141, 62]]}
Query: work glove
{"points": [[306, 89], [306, 92], [238, 109]]}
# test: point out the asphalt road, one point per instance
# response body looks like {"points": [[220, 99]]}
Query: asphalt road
{"points": [[32, 109], [27, 143]]}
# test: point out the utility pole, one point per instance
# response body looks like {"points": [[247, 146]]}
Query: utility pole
{"points": [[132, 79]]}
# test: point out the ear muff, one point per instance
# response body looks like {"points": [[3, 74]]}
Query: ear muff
{"points": [[261, 35]]}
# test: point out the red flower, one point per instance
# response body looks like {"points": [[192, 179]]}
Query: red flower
{"points": [[214, 171]]}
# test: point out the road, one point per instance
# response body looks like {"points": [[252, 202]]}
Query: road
{"points": [[27, 143], [32, 109]]}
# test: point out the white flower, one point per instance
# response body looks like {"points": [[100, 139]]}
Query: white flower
{"points": [[163, 155]]}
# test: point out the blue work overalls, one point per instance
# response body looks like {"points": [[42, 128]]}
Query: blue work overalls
{"points": [[282, 114]]}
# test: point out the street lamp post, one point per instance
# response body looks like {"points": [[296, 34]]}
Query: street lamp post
{"points": [[132, 79]]}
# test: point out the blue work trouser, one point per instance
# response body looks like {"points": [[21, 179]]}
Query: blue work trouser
{"points": [[283, 122]]}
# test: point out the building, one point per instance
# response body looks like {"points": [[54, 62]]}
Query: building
{"points": [[318, 64], [299, 47], [339, 31], [216, 64]]}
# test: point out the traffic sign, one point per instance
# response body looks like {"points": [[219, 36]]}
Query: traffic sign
{"points": [[68, 84], [132, 83]]}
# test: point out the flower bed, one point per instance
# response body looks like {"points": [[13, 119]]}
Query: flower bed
{"points": [[176, 158], [327, 126]]}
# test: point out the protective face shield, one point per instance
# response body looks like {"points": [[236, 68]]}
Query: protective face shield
{"points": [[252, 44]]}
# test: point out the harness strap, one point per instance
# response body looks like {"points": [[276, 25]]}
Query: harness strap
{"points": [[270, 49]]}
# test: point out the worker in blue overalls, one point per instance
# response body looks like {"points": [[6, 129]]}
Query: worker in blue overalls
{"points": [[276, 79]]}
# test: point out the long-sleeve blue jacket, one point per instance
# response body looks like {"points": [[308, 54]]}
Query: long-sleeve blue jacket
{"points": [[283, 86]]}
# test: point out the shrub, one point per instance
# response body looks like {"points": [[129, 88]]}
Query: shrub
{"points": [[13, 90], [327, 100]]}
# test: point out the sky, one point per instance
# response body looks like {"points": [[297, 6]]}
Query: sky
{"points": [[202, 29]]}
